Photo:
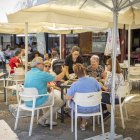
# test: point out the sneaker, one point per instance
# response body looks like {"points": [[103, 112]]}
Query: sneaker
{"points": [[48, 123], [106, 115], [41, 122], [83, 126]]}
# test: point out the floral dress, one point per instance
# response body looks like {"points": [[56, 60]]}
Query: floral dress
{"points": [[119, 80]]}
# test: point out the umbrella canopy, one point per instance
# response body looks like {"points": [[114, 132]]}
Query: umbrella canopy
{"points": [[18, 28], [76, 12]]}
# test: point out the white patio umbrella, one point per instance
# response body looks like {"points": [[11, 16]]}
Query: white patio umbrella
{"points": [[83, 12]]}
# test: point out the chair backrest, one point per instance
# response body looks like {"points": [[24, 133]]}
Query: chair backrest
{"points": [[88, 99], [18, 77], [19, 71], [8, 69], [123, 90], [27, 94], [134, 70], [137, 65]]}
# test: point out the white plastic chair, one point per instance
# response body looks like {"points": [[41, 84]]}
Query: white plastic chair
{"points": [[8, 78], [31, 94], [122, 92], [87, 100], [16, 79]]}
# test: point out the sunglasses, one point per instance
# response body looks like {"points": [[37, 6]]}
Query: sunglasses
{"points": [[47, 66]]}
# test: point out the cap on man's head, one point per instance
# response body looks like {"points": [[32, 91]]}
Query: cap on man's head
{"points": [[36, 61]]}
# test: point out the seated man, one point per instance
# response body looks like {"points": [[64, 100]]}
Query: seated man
{"points": [[95, 70], [83, 85], [38, 79]]}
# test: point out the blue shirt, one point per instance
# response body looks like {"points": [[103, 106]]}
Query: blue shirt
{"points": [[83, 86], [35, 78]]}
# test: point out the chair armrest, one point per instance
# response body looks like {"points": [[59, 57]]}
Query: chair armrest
{"points": [[68, 103], [42, 95], [32, 96]]}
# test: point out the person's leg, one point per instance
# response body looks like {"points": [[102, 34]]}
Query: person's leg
{"points": [[58, 102], [42, 119], [105, 100], [83, 123]]}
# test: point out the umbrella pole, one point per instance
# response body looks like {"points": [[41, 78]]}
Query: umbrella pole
{"points": [[129, 46], [26, 47], [115, 28], [60, 46]]}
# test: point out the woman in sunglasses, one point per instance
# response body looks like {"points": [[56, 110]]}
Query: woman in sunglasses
{"points": [[58, 102], [47, 68]]}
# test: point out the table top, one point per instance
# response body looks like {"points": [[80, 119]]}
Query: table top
{"points": [[67, 84]]}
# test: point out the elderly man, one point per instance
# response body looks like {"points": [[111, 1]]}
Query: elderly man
{"points": [[95, 70], [38, 79]]}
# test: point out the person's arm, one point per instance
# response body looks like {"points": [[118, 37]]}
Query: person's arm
{"points": [[67, 71], [69, 97], [108, 83], [17, 65], [104, 88], [54, 87], [71, 92]]}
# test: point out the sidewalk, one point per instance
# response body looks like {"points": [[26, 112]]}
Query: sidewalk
{"points": [[63, 132]]}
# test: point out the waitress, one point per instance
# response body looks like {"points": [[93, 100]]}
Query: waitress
{"points": [[73, 58]]}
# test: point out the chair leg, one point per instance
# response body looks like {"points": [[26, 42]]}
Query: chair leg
{"points": [[51, 117], [37, 116], [17, 118], [75, 126], [93, 123], [17, 95], [98, 120], [102, 122], [31, 123], [126, 114], [71, 120], [4, 83], [122, 118], [56, 116], [6, 96]]}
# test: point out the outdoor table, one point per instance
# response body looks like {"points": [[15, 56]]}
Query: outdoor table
{"points": [[63, 86], [3, 75]]}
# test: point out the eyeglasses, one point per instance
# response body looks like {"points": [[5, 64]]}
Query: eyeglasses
{"points": [[47, 66]]}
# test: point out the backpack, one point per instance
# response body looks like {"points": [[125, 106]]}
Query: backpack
{"points": [[57, 65]]}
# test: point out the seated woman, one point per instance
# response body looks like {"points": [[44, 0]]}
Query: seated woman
{"points": [[58, 102], [83, 85], [47, 66], [119, 80], [95, 70]]}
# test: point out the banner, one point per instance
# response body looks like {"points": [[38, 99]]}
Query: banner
{"points": [[109, 43]]}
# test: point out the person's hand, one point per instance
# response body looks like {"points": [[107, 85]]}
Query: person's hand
{"points": [[63, 69]]}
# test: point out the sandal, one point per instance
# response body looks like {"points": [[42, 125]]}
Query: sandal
{"points": [[83, 126]]}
